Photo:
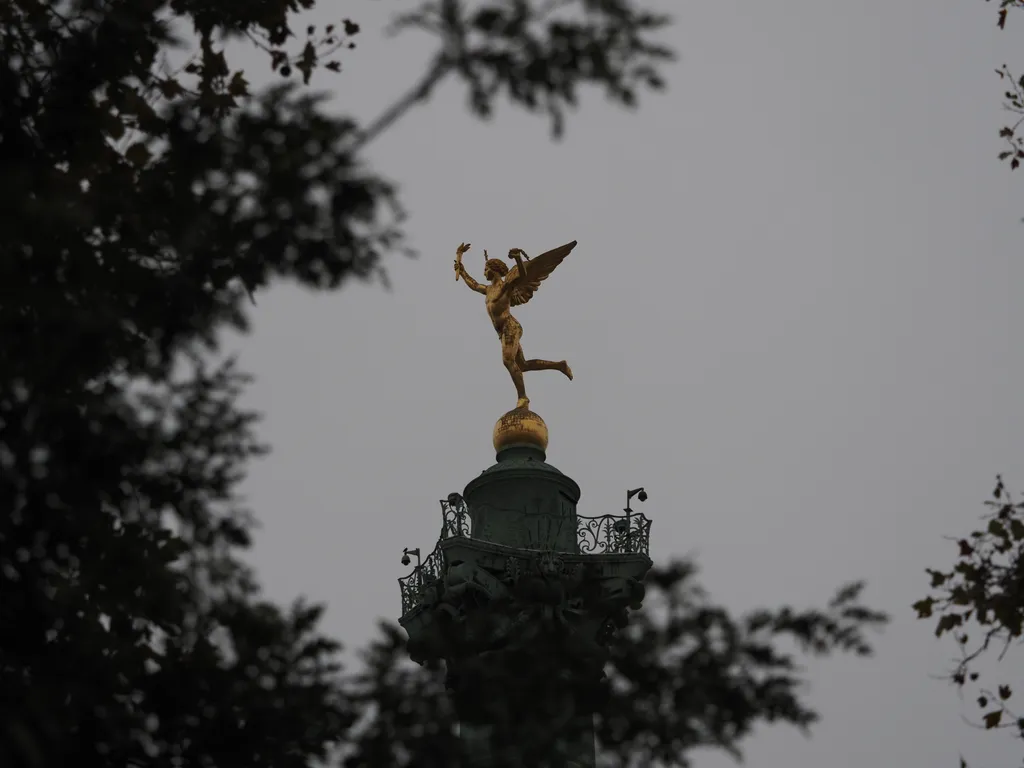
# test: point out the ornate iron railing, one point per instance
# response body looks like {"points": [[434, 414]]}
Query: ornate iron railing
{"points": [[454, 517], [422, 577], [613, 534], [454, 522], [603, 535]]}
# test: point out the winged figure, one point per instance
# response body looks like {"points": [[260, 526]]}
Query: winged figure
{"points": [[507, 288]]}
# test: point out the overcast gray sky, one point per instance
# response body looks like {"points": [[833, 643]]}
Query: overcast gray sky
{"points": [[792, 316]]}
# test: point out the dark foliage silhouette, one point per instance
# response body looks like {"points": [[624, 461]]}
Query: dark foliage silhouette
{"points": [[979, 601], [684, 674], [144, 207]]}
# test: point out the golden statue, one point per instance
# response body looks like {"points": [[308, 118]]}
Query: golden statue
{"points": [[509, 288]]}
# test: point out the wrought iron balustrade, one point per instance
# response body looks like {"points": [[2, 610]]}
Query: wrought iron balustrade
{"points": [[454, 517], [602, 535], [414, 586], [613, 534], [455, 522]]}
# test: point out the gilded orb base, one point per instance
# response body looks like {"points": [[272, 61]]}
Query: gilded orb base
{"points": [[520, 426]]}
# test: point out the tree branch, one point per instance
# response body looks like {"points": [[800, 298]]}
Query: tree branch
{"points": [[419, 92]]}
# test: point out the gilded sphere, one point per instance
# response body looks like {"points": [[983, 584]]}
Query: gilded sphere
{"points": [[518, 427]]}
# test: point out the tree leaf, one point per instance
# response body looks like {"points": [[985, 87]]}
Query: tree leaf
{"points": [[924, 607], [307, 62], [238, 86], [948, 622], [137, 154], [170, 87]]}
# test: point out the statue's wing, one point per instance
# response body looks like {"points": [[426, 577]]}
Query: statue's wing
{"points": [[537, 270]]}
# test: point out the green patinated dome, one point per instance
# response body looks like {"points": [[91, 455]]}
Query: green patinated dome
{"points": [[521, 458]]}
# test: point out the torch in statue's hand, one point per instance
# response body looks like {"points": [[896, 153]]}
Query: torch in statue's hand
{"points": [[458, 259]]}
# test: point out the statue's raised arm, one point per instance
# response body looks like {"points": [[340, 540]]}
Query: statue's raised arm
{"points": [[524, 279], [460, 271]]}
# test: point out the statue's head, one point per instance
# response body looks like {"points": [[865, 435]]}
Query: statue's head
{"points": [[494, 268]]}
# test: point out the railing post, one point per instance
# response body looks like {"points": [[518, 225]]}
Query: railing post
{"points": [[454, 517]]}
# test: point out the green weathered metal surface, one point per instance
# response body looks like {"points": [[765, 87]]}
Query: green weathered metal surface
{"points": [[522, 501], [518, 578]]}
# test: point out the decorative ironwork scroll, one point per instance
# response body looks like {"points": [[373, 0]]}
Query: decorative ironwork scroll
{"points": [[613, 534], [414, 586], [454, 517]]}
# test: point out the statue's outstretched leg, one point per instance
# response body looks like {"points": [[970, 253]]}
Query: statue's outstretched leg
{"points": [[542, 365]]}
